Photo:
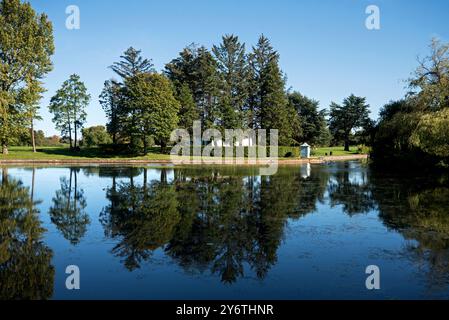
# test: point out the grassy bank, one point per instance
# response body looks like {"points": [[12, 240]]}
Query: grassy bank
{"points": [[336, 151], [63, 153]]}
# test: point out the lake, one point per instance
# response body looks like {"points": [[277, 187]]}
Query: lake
{"points": [[161, 232]]}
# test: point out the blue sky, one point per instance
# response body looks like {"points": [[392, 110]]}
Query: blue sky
{"points": [[326, 51]]}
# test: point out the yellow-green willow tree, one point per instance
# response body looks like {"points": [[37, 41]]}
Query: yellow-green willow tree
{"points": [[26, 47]]}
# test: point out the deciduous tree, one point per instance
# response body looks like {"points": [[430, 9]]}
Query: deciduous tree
{"points": [[69, 107], [26, 46], [352, 115]]}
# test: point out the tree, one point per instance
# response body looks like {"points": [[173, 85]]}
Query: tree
{"points": [[413, 130], [233, 70], [392, 108], [207, 87], [29, 97], [352, 115], [111, 99], [26, 46], [258, 61], [313, 122], [430, 82], [188, 112], [95, 136], [69, 107], [432, 134], [275, 111], [197, 68], [132, 64], [152, 107]]}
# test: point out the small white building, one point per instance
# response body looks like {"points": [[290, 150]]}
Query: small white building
{"points": [[246, 142], [305, 151]]}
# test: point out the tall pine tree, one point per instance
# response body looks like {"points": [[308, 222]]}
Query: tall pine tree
{"points": [[275, 111], [233, 70]]}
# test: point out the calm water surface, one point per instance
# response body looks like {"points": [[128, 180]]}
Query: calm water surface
{"points": [[308, 232]]}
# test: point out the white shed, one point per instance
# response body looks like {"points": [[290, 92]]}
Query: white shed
{"points": [[305, 151]]}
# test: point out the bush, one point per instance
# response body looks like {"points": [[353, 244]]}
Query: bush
{"points": [[289, 152], [95, 136], [362, 149]]}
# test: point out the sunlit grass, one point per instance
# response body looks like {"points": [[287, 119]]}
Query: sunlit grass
{"points": [[64, 153]]}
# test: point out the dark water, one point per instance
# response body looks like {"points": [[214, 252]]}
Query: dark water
{"points": [[206, 233]]}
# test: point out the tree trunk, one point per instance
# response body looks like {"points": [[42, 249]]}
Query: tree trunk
{"points": [[76, 135], [70, 135], [145, 147], [5, 149], [347, 145], [33, 139]]}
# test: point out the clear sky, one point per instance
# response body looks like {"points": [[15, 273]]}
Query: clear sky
{"points": [[326, 50]]}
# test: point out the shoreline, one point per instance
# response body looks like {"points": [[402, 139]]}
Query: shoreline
{"points": [[315, 160]]}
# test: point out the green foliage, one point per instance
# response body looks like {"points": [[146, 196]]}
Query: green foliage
{"points": [[414, 130], [275, 111], [111, 99], [432, 134], [313, 124], [289, 152], [352, 115], [233, 71], [430, 82], [95, 136], [197, 68], [26, 45], [188, 112], [68, 106], [132, 64], [151, 108]]}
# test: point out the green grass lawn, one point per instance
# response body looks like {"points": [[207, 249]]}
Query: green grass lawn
{"points": [[63, 153], [336, 151]]}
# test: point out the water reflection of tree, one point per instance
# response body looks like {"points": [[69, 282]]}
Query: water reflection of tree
{"points": [[418, 209], [213, 219], [142, 217], [68, 209], [351, 188], [25, 262]]}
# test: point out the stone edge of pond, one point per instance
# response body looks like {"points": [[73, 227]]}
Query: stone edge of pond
{"points": [[316, 160]]}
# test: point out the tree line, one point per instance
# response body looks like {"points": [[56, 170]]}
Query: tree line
{"points": [[226, 87]]}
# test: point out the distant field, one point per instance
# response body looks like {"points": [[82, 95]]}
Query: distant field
{"points": [[63, 153]]}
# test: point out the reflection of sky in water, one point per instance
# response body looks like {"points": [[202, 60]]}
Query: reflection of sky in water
{"points": [[322, 252]]}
